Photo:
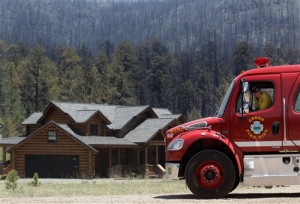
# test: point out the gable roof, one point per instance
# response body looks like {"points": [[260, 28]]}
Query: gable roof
{"points": [[161, 111], [115, 116], [105, 140], [125, 114], [79, 112], [148, 129], [97, 140], [166, 113], [32, 119], [63, 127], [11, 140]]}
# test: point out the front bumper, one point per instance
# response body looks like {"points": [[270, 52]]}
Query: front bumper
{"points": [[172, 170]]}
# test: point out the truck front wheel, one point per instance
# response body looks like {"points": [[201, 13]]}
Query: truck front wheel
{"points": [[210, 174]]}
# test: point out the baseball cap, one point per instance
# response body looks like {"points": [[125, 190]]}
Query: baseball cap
{"points": [[254, 89]]}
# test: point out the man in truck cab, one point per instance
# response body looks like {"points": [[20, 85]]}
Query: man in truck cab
{"points": [[262, 99]]}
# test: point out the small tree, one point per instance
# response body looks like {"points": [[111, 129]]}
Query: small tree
{"points": [[11, 180], [35, 181]]}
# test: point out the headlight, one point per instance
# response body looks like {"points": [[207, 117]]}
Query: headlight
{"points": [[175, 145]]}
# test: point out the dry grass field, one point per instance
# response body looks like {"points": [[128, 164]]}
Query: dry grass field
{"points": [[134, 191], [95, 187]]}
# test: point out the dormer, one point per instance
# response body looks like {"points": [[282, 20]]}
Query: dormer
{"points": [[31, 123], [85, 119], [94, 125], [54, 113]]}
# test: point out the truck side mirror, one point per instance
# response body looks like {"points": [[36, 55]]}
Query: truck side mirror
{"points": [[246, 97], [246, 108], [245, 86]]}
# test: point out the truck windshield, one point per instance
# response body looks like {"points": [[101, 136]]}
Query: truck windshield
{"points": [[225, 100]]}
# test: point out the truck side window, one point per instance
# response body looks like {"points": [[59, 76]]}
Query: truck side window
{"points": [[297, 101], [262, 97]]}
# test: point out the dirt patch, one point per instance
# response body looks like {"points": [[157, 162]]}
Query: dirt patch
{"points": [[245, 195]]}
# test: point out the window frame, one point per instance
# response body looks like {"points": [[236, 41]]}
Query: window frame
{"points": [[297, 100], [52, 136], [267, 86]]}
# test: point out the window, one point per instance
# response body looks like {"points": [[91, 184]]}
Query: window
{"points": [[259, 97], [264, 100], [114, 157], [297, 102], [93, 129], [52, 136], [225, 100]]}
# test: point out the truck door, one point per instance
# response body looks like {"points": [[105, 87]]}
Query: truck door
{"points": [[257, 130], [292, 141]]}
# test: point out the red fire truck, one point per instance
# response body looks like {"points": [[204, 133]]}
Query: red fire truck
{"points": [[258, 147]]}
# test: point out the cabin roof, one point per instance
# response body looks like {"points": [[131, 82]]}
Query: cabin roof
{"points": [[97, 140], [33, 118], [115, 116], [148, 129]]}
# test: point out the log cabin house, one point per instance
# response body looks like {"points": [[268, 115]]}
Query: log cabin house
{"points": [[76, 140]]}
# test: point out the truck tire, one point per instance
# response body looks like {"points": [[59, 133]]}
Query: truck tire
{"points": [[237, 182], [210, 174]]}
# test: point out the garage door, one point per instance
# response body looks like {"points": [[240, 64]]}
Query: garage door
{"points": [[52, 166]]}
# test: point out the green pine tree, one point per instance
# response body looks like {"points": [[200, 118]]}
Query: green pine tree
{"points": [[40, 80], [11, 106], [71, 75], [122, 76]]}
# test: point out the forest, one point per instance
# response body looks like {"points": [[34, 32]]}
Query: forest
{"points": [[192, 84], [173, 54], [180, 24]]}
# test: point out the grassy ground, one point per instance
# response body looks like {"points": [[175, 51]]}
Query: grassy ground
{"points": [[96, 187]]}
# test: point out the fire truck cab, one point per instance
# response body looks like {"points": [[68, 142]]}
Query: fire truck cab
{"points": [[242, 143]]}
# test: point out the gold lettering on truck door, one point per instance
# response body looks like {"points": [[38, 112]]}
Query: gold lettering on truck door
{"points": [[256, 128]]}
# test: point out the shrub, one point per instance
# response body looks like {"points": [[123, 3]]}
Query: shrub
{"points": [[35, 181], [11, 180], [3, 177]]}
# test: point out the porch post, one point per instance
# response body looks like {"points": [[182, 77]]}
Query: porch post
{"points": [[119, 156], [138, 156], [3, 154], [156, 154], [146, 161], [90, 169], [146, 155], [109, 162]]}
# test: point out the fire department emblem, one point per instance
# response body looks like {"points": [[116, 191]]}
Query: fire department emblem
{"points": [[256, 127], [256, 130]]}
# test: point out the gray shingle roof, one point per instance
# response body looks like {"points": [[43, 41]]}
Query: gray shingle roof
{"points": [[75, 110], [145, 131], [125, 114], [32, 119], [101, 140], [97, 140], [165, 113], [117, 115], [161, 111], [80, 112], [11, 140]]}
